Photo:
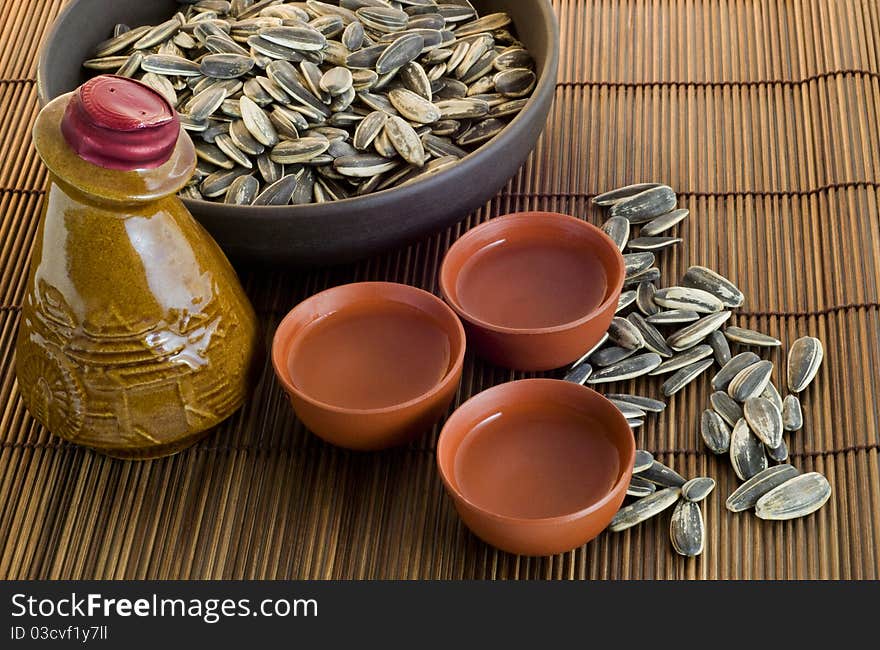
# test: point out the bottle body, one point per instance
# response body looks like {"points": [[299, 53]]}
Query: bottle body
{"points": [[135, 336]]}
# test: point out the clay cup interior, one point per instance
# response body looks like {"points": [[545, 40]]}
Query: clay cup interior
{"points": [[369, 365], [537, 466], [535, 289]]}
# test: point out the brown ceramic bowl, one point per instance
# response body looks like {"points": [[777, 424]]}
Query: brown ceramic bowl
{"points": [[369, 365], [337, 231], [537, 466], [535, 289]]}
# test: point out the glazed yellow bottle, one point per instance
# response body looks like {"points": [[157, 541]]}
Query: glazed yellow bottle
{"points": [[136, 337]]}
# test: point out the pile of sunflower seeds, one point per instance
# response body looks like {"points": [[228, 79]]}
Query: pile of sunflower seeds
{"points": [[301, 102], [658, 487], [747, 417]]}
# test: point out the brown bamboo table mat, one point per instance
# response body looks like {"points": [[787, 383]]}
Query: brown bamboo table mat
{"points": [[762, 113]]}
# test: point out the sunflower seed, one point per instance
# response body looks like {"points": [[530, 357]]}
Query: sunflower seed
{"points": [[746, 452], [686, 529], [243, 139], [643, 461], [225, 66], [778, 453], [644, 508], [272, 50], [644, 403], [770, 393], [305, 187], [652, 339], [364, 165], [507, 108], [639, 487], [299, 38], [635, 423], [514, 82], [652, 243], [278, 193], [353, 36], [626, 299], [664, 222], [674, 317], [224, 45], [301, 150], [725, 406], [792, 415], [650, 276], [645, 297], [637, 262], [106, 63], [629, 368], [720, 347], [617, 228], [699, 277], [662, 475], [480, 132], [383, 146], [690, 335], [646, 205], [750, 337], [131, 66], [625, 334], [383, 19], [236, 155], [462, 109], [698, 488], [243, 190], [218, 183], [685, 298], [610, 355], [205, 103], [629, 411], [441, 147], [169, 65], [161, 85], [797, 497], [683, 359], [270, 170], [413, 107], [613, 196], [764, 420], [120, 42], [211, 154], [804, 359], [517, 57], [579, 374], [405, 140], [751, 381], [715, 432], [730, 369], [401, 51], [685, 376], [747, 494], [488, 23]]}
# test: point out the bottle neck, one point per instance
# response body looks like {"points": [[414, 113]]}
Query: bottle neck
{"points": [[103, 184]]}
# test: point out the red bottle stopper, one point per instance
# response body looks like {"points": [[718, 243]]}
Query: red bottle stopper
{"points": [[119, 123]]}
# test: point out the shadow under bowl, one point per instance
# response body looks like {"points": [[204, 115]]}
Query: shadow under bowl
{"points": [[369, 365], [534, 289], [537, 466], [350, 229]]}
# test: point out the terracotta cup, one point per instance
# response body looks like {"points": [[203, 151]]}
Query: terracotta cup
{"points": [[369, 365], [537, 466], [534, 289]]}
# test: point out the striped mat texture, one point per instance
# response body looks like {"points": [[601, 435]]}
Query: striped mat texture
{"points": [[762, 113]]}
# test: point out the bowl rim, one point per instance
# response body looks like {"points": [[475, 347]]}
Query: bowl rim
{"points": [[620, 484], [510, 221], [546, 84], [279, 360]]}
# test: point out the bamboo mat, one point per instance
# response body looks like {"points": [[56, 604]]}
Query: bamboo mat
{"points": [[762, 113]]}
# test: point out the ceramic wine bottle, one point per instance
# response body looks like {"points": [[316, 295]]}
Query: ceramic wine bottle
{"points": [[136, 336]]}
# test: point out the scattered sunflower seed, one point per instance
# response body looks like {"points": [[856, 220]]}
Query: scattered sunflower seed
{"points": [[764, 420], [645, 297], [674, 317], [664, 222], [804, 359], [643, 460], [652, 243], [715, 432], [626, 299], [639, 487], [778, 453], [662, 475], [651, 338], [792, 415], [747, 494], [687, 298], [625, 334], [751, 381], [747, 453], [645, 508], [699, 277], [617, 228], [579, 374], [732, 368], [682, 359], [698, 488], [692, 334], [720, 347], [612, 197], [686, 529], [725, 406], [610, 355], [797, 497], [646, 205], [645, 403], [685, 376], [750, 337], [629, 368]]}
